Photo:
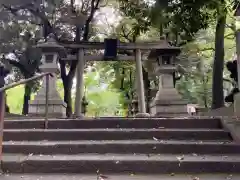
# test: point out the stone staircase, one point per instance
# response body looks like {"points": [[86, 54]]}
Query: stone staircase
{"points": [[119, 145]]}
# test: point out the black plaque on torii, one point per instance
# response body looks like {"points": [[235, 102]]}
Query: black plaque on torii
{"points": [[110, 49]]}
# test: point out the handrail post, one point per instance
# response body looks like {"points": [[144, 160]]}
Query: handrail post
{"points": [[2, 113], [3, 73], [47, 102]]}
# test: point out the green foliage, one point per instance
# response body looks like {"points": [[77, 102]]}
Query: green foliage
{"points": [[103, 98], [102, 101], [15, 99], [196, 59]]}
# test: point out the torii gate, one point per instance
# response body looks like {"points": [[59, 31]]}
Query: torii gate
{"points": [[99, 46]]}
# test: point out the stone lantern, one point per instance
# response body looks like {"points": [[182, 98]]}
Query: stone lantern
{"points": [[168, 102], [51, 51]]}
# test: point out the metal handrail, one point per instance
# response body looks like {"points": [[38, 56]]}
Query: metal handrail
{"points": [[2, 103], [24, 81]]}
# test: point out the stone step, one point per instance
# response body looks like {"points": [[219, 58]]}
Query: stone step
{"points": [[121, 176], [115, 123], [171, 114], [115, 163], [122, 147], [113, 134]]}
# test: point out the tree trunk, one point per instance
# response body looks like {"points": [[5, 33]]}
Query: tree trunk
{"points": [[205, 91], [67, 85], [7, 109], [217, 87], [26, 98], [147, 89]]}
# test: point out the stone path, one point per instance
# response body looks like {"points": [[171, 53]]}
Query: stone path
{"points": [[122, 177], [123, 157]]}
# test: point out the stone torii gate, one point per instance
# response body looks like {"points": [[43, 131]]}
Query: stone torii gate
{"points": [[50, 56], [100, 46]]}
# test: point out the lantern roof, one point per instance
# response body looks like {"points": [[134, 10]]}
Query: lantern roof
{"points": [[164, 48], [51, 45]]}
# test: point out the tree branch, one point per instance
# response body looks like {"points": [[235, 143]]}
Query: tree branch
{"points": [[207, 49], [126, 35], [18, 65], [48, 28], [62, 70], [72, 70], [94, 8], [231, 26], [228, 80], [229, 35]]}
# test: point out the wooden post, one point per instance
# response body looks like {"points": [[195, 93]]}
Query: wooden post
{"points": [[79, 83], [140, 84]]}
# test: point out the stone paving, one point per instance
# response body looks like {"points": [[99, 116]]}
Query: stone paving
{"points": [[121, 177]]}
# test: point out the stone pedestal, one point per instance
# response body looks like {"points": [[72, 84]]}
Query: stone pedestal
{"points": [[168, 102], [56, 106], [237, 105]]}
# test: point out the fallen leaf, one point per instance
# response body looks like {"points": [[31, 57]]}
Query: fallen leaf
{"points": [[102, 177], [229, 177], [180, 158], [195, 178]]}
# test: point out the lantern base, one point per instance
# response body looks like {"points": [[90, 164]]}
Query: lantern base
{"points": [[237, 105], [80, 116], [142, 115], [168, 103], [56, 108]]}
